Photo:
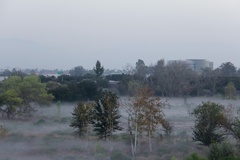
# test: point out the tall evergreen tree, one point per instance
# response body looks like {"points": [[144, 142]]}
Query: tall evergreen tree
{"points": [[82, 116], [106, 115], [98, 69], [209, 123]]}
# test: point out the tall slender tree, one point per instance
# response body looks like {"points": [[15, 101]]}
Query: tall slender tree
{"points": [[145, 115], [98, 69], [82, 116], [106, 115]]}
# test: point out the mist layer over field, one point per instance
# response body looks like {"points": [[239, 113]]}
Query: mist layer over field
{"points": [[46, 134]]}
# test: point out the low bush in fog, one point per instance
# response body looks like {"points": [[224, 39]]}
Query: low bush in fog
{"points": [[222, 151], [3, 131]]}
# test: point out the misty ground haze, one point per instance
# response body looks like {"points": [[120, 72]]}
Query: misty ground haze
{"points": [[47, 135]]}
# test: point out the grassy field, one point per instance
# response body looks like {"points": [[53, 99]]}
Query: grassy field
{"points": [[46, 135]]}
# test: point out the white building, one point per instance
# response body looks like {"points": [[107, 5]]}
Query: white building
{"points": [[196, 64], [199, 64]]}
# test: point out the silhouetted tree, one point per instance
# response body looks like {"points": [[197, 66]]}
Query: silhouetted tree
{"points": [[78, 71], [179, 79], [98, 69], [230, 91], [209, 123], [228, 69], [145, 115], [106, 115], [82, 117], [159, 74], [141, 69]]}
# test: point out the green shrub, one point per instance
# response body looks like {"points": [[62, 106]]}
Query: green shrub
{"points": [[209, 123], [40, 122], [221, 151], [3, 131], [195, 156]]}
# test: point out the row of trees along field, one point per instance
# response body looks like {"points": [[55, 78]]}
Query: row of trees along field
{"points": [[174, 79]]}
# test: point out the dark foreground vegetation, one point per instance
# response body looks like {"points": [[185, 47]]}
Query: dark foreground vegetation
{"points": [[136, 127]]}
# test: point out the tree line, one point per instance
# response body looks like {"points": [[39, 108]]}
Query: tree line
{"points": [[175, 79]]}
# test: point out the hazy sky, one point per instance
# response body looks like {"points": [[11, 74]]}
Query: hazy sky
{"points": [[66, 33]]}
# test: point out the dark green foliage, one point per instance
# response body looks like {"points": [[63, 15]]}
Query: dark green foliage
{"points": [[102, 83], [73, 90], [87, 90], [209, 122], [167, 128], [61, 92], [221, 151], [106, 115], [195, 156], [98, 69], [82, 116], [227, 69]]}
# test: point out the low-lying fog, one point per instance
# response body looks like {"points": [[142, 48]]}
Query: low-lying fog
{"points": [[47, 135]]}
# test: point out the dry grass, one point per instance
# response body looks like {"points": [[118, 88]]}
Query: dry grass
{"points": [[47, 135]]}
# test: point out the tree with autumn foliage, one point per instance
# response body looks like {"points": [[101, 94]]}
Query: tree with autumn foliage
{"points": [[230, 91], [145, 116], [151, 113]]}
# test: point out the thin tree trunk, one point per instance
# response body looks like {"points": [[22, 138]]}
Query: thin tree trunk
{"points": [[149, 141], [131, 138], [136, 137]]}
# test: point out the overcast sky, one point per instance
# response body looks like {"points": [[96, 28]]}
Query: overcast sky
{"points": [[62, 34]]}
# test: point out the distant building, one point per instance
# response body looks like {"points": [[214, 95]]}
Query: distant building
{"points": [[196, 64], [199, 64]]}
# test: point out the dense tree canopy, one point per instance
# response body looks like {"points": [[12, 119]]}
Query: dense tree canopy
{"points": [[228, 69], [209, 123], [19, 94]]}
